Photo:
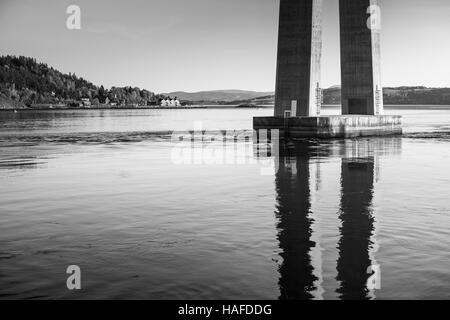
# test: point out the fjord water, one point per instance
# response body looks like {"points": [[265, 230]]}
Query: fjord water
{"points": [[146, 216]]}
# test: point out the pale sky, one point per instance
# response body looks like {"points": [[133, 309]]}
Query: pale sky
{"points": [[194, 45]]}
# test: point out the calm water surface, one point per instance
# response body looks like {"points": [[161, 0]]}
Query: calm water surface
{"points": [[150, 217]]}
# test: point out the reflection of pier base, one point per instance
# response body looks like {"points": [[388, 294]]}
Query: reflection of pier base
{"points": [[326, 127]]}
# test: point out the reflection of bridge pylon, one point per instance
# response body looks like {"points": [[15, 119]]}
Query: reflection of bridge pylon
{"points": [[298, 186]]}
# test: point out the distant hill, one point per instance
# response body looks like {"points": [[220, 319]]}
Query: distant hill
{"points": [[417, 95], [217, 95], [393, 96], [24, 82]]}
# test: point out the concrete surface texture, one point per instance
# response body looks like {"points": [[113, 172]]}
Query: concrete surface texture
{"points": [[360, 57], [299, 57], [348, 126]]}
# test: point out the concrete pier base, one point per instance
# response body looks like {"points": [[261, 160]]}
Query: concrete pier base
{"points": [[328, 127]]}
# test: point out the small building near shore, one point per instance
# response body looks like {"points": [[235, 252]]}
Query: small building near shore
{"points": [[170, 102], [86, 102]]}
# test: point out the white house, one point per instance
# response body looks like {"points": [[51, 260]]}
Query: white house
{"points": [[170, 102]]}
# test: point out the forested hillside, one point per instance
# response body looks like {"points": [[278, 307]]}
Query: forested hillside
{"points": [[25, 82]]}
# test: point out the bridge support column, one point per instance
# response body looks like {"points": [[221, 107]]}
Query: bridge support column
{"points": [[360, 57], [299, 57], [298, 93]]}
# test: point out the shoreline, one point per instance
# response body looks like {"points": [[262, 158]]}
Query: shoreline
{"points": [[211, 106], [137, 108]]}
